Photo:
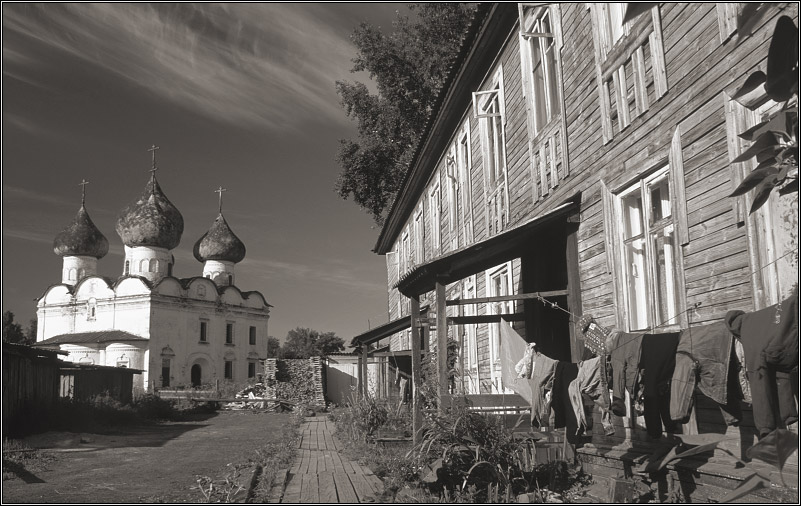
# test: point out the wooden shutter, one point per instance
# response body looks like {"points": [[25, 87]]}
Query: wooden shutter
{"points": [[609, 227], [677, 195]]}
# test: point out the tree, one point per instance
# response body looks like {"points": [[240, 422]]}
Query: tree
{"points": [[775, 141], [12, 331], [273, 346], [304, 343], [30, 334], [409, 67]]}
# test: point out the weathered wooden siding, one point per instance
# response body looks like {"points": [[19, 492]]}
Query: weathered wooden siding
{"points": [[30, 387]]}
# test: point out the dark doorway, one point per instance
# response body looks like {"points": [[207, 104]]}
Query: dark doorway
{"points": [[165, 372], [551, 263], [196, 375]]}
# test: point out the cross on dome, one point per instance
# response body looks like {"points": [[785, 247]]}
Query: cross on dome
{"points": [[153, 149], [83, 184], [220, 190]]}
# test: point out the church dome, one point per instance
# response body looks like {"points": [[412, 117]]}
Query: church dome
{"points": [[81, 238], [151, 221], [219, 243]]}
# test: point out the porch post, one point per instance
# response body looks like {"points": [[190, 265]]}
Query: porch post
{"points": [[364, 371], [442, 345], [417, 381]]}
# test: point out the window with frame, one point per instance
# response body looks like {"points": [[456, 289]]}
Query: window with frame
{"points": [[540, 58], [499, 283], [251, 369], [434, 200], [463, 158], [454, 198], [489, 109], [204, 327], [229, 333], [405, 255], [649, 253], [634, 51], [419, 245], [229, 369], [772, 230], [252, 336], [470, 344]]}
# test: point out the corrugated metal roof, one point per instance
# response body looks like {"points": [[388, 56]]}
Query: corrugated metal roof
{"points": [[103, 336]]}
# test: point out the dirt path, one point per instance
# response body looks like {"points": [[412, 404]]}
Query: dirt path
{"points": [[146, 464]]}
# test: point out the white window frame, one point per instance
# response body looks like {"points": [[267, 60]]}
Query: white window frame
{"points": [[646, 298], [494, 134], [502, 273], [418, 244], [470, 334], [534, 39], [454, 196], [404, 258], [464, 160], [435, 215]]}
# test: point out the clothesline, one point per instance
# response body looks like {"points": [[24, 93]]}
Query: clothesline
{"points": [[644, 331]]}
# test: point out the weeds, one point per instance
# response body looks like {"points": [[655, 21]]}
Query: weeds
{"points": [[20, 460]]}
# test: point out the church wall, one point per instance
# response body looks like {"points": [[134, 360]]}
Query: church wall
{"points": [[175, 328]]}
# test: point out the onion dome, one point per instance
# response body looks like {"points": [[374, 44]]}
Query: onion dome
{"points": [[219, 243], [81, 238], [151, 221]]}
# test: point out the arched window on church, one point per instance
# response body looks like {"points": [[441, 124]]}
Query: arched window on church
{"points": [[169, 269], [127, 269], [81, 273], [154, 265], [91, 309], [143, 266], [72, 274]]}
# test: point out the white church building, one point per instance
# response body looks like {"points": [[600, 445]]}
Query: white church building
{"points": [[180, 332]]}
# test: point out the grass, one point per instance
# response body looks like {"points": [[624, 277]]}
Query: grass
{"points": [[19, 460], [272, 458]]}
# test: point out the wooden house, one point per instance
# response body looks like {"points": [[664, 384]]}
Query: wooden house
{"points": [[577, 161]]}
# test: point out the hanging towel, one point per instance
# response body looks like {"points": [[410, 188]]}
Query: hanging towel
{"points": [[512, 348]]}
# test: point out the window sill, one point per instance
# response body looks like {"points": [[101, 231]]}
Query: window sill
{"points": [[203, 342], [230, 344]]}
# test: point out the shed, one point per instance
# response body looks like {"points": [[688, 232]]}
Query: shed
{"points": [[84, 381], [30, 384]]}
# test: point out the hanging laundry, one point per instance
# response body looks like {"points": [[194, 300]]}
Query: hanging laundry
{"points": [[541, 382], [625, 353], [704, 359], [657, 362], [773, 392], [742, 378], [524, 367], [512, 347], [594, 335], [781, 352], [563, 414], [589, 381]]}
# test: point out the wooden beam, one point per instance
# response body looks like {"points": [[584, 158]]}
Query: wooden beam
{"points": [[490, 318], [503, 298], [442, 344], [417, 381]]}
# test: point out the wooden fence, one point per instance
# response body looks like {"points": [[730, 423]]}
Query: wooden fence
{"points": [[30, 385]]}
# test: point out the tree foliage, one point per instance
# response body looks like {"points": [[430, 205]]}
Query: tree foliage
{"points": [[774, 141], [303, 343], [12, 331], [273, 346], [408, 67]]}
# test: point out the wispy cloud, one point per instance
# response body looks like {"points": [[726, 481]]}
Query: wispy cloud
{"points": [[339, 276], [22, 193], [270, 65]]}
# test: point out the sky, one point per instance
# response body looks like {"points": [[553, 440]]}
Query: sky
{"points": [[235, 95]]}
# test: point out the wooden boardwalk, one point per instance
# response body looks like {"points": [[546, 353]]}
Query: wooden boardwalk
{"points": [[321, 475]]}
